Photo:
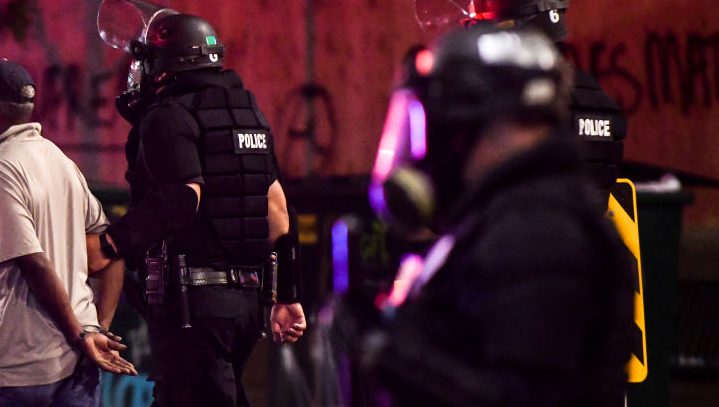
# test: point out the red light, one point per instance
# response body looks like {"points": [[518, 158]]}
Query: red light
{"points": [[424, 62], [483, 12], [487, 15], [380, 301]]}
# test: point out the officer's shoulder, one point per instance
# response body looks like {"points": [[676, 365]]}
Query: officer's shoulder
{"points": [[167, 114], [548, 198], [585, 80], [173, 105], [588, 94], [231, 78]]}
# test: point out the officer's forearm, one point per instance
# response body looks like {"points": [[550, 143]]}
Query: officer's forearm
{"points": [[96, 260], [278, 218], [108, 287], [289, 263], [171, 208]]}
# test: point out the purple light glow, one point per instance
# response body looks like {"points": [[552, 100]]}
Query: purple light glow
{"points": [[340, 257], [376, 198], [393, 129], [410, 269], [417, 130], [403, 137]]}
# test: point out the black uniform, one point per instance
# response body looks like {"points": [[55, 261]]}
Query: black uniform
{"points": [[204, 128], [601, 127], [532, 306]]}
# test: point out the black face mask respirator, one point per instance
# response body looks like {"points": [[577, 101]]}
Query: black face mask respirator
{"points": [[417, 172], [400, 193], [123, 25]]}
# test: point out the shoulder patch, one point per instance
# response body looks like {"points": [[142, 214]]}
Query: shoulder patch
{"points": [[254, 141]]}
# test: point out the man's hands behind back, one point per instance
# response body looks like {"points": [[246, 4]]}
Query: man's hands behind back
{"points": [[105, 352]]}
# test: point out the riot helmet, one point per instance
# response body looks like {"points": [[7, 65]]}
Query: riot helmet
{"points": [[175, 42], [544, 15], [479, 76], [160, 40], [437, 16]]}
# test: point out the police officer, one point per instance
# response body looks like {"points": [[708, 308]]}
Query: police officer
{"points": [[596, 119], [206, 212], [524, 300]]}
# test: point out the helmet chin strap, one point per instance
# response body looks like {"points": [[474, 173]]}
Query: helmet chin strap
{"points": [[161, 80]]}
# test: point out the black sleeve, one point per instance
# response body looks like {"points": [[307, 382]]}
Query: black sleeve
{"points": [[515, 323], [168, 146], [169, 153], [536, 287], [169, 209]]}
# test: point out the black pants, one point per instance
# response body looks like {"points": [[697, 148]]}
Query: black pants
{"points": [[202, 365]]}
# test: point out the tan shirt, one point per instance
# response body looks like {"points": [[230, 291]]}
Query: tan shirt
{"points": [[45, 207]]}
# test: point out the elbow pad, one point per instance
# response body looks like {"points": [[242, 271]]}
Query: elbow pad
{"points": [[289, 266], [164, 212]]}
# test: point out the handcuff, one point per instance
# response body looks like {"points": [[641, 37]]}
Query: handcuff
{"points": [[93, 329]]}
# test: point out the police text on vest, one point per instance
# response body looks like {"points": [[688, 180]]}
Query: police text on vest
{"points": [[595, 127], [255, 141]]}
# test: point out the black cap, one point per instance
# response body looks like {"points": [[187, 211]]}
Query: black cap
{"points": [[13, 78]]}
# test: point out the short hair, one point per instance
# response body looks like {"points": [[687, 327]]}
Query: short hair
{"points": [[17, 113]]}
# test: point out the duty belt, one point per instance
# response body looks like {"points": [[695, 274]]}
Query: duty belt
{"points": [[244, 276]]}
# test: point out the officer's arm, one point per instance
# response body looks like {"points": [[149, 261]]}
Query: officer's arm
{"points": [[168, 152], [198, 191], [287, 317], [278, 217], [287, 247]]}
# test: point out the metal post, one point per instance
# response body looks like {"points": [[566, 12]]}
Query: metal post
{"points": [[311, 123]]}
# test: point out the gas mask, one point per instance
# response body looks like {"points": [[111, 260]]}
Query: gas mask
{"points": [[412, 180], [471, 79], [123, 25], [399, 192]]}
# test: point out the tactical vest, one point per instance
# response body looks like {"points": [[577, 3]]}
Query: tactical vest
{"points": [[601, 127], [236, 151]]}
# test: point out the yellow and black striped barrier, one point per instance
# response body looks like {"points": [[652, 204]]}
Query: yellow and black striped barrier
{"points": [[622, 210]]}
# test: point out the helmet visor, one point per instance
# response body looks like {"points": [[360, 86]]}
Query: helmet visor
{"points": [[436, 17], [121, 21], [134, 75]]}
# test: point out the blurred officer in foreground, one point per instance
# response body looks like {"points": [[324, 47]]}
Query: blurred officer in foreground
{"points": [[525, 300], [206, 212]]}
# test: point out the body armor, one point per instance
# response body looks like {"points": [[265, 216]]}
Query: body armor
{"points": [[236, 151], [235, 148], [601, 127]]}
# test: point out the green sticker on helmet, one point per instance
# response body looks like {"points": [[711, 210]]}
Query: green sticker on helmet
{"points": [[211, 40]]}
